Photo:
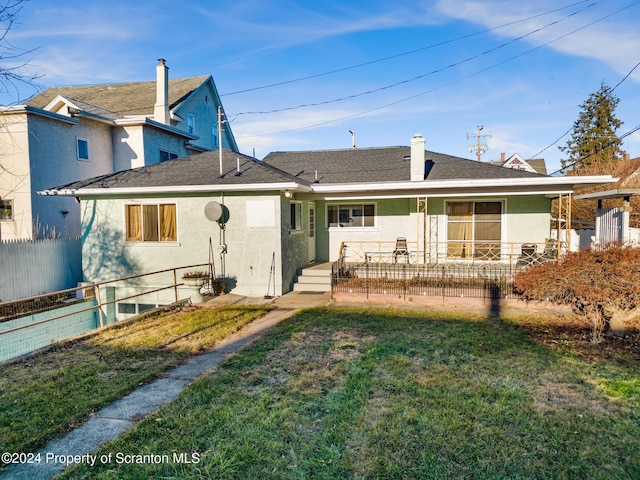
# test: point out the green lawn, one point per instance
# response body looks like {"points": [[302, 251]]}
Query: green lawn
{"points": [[44, 396], [364, 393]]}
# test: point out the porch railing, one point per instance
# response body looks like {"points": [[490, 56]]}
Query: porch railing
{"points": [[516, 254], [413, 280]]}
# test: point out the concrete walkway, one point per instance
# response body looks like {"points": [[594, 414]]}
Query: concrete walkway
{"points": [[110, 422]]}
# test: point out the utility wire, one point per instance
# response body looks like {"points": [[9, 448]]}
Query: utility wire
{"points": [[433, 72], [568, 131], [412, 97], [581, 160], [410, 52]]}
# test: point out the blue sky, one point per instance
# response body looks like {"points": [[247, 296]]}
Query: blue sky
{"points": [[386, 70]]}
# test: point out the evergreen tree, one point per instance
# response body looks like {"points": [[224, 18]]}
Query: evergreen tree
{"points": [[594, 146]]}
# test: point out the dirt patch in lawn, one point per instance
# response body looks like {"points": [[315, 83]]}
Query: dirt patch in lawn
{"points": [[571, 334]]}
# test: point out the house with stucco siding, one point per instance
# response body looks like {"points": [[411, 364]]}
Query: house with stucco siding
{"points": [[66, 134], [296, 210]]}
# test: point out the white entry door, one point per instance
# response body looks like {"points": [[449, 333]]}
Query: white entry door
{"points": [[312, 232]]}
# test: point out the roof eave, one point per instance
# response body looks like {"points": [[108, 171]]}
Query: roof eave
{"points": [[18, 109], [141, 121], [247, 187], [548, 184]]}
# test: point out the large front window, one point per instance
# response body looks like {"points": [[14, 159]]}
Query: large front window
{"points": [[151, 223], [351, 215], [474, 230]]}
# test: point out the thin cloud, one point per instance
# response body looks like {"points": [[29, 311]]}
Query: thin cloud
{"points": [[612, 41]]}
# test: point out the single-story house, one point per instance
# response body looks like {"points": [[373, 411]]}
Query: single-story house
{"points": [[296, 209]]}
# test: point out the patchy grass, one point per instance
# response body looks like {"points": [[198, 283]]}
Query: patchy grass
{"points": [[365, 393], [44, 396]]}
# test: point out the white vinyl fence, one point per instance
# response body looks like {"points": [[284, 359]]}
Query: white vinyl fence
{"points": [[33, 267]]}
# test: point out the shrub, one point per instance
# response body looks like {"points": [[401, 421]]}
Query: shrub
{"points": [[603, 286]]}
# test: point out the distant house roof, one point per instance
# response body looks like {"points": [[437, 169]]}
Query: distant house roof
{"points": [[122, 99], [516, 162]]}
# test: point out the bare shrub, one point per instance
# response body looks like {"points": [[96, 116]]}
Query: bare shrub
{"points": [[602, 286]]}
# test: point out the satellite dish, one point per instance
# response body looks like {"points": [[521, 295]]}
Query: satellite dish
{"points": [[213, 211]]}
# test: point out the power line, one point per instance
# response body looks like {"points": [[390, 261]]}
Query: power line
{"points": [[581, 160], [568, 131], [412, 97], [410, 52], [433, 72]]}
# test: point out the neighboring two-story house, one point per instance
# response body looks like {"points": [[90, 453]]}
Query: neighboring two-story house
{"points": [[67, 134]]}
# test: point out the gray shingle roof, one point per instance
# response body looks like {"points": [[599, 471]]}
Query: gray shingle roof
{"points": [[124, 99], [195, 170], [352, 166], [385, 164]]}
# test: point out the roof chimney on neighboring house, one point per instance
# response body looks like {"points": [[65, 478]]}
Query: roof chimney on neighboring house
{"points": [[417, 158], [502, 157], [161, 108]]}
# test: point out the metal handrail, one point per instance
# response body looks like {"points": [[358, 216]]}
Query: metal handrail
{"points": [[96, 290]]}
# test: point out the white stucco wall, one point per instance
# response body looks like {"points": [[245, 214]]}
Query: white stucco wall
{"points": [[128, 147], [15, 181], [40, 153], [54, 162], [251, 241]]}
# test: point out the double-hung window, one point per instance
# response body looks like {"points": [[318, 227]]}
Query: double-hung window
{"points": [[474, 230], [351, 215], [151, 222]]}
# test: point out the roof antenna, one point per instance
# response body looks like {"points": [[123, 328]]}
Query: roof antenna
{"points": [[353, 138]]}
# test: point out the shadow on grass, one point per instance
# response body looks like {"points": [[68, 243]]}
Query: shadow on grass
{"points": [[389, 393]]}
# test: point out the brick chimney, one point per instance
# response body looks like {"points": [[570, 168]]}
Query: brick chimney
{"points": [[417, 158], [161, 108]]}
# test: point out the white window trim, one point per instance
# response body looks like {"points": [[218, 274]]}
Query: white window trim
{"points": [[503, 220], [153, 244], [299, 208], [78, 140], [373, 228]]}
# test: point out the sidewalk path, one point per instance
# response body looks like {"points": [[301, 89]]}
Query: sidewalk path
{"points": [[113, 420]]}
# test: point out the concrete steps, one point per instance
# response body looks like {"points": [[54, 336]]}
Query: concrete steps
{"points": [[314, 279]]}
